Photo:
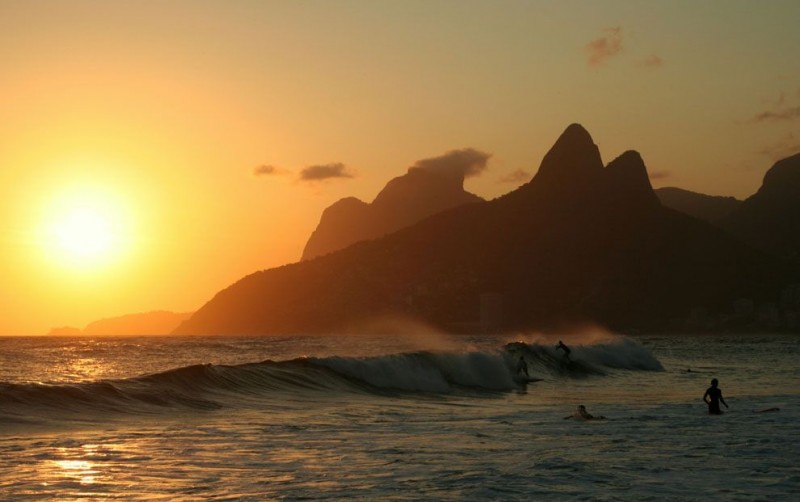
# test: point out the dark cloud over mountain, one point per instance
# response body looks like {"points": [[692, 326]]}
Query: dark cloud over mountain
{"points": [[325, 171], [465, 162]]}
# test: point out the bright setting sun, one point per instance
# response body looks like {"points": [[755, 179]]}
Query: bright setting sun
{"points": [[85, 232], [85, 228]]}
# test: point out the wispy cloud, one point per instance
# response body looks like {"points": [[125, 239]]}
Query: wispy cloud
{"points": [[780, 109], [465, 162], [785, 147], [651, 62], [605, 47], [518, 176], [659, 175], [778, 114], [325, 171], [266, 170]]}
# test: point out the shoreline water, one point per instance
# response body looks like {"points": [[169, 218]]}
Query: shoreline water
{"points": [[333, 419]]}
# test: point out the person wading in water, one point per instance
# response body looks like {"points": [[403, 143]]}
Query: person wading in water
{"points": [[713, 397]]}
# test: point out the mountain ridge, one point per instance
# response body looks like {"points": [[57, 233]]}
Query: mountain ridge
{"points": [[710, 208], [580, 242], [770, 218]]}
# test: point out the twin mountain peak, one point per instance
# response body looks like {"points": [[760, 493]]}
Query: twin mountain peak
{"points": [[580, 242], [572, 168]]}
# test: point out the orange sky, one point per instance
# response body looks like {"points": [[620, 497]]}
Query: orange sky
{"points": [[149, 118]]}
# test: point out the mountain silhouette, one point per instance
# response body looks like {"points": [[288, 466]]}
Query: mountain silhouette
{"points": [[580, 242], [710, 208], [770, 218], [430, 186]]}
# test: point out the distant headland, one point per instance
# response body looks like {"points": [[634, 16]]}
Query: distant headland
{"points": [[159, 322]]}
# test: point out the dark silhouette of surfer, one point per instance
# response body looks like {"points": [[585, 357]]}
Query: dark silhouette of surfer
{"points": [[713, 397], [522, 366], [566, 349]]}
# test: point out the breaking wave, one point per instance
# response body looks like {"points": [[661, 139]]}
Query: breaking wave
{"points": [[210, 387]]}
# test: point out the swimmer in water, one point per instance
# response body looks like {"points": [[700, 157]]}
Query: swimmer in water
{"points": [[581, 414]]}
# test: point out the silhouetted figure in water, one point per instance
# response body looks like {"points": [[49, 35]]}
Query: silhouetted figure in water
{"points": [[564, 348], [581, 414], [713, 397], [522, 366]]}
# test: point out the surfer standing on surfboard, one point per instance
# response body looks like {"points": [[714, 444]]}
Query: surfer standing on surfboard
{"points": [[522, 366], [713, 397], [564, 348]]}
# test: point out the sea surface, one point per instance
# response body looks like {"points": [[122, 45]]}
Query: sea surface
{"points": [[407, 416]]}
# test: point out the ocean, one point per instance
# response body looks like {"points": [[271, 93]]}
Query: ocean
{"points": [[409, 416]]}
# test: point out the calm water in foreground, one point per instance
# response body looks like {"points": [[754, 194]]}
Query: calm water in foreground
{"points": [[403, 418]]}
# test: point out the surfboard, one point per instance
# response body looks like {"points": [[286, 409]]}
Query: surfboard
{"points": [[769, 409], [522, 380]]}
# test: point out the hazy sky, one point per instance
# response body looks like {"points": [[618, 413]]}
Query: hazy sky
{"points": [[153, 152]]}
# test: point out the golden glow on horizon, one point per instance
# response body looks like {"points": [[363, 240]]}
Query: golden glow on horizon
{"points": [[129, 135]]}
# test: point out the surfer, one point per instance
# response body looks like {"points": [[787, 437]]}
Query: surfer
{"points": [[581, 414], [563, 347], [522, 366], [713, 397]]}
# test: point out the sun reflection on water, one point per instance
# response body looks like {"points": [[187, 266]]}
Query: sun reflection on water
{"points": [[83, 361], [76, 465], [88, 368], [77, 470]]}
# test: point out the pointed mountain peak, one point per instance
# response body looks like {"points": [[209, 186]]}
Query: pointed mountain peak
{"points": [[576, 132], [628, 178], [629, 165], [573, 157]]}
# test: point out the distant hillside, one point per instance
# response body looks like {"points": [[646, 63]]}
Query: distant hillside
{"points": [[770, 219], [65, 331], [429, 187], [709, 208], [147, 323], [579, 243]]}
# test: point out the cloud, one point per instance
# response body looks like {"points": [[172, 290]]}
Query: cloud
{"points": [[651, 62], [778, 114], [659, 175], [266, 170], [780, 109], [785, 147], [518, 176], [325, 171], [603, 48], [465, 162]]}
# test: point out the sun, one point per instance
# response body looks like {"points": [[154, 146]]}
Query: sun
{"points": [[85, 228], [85, 232]]}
